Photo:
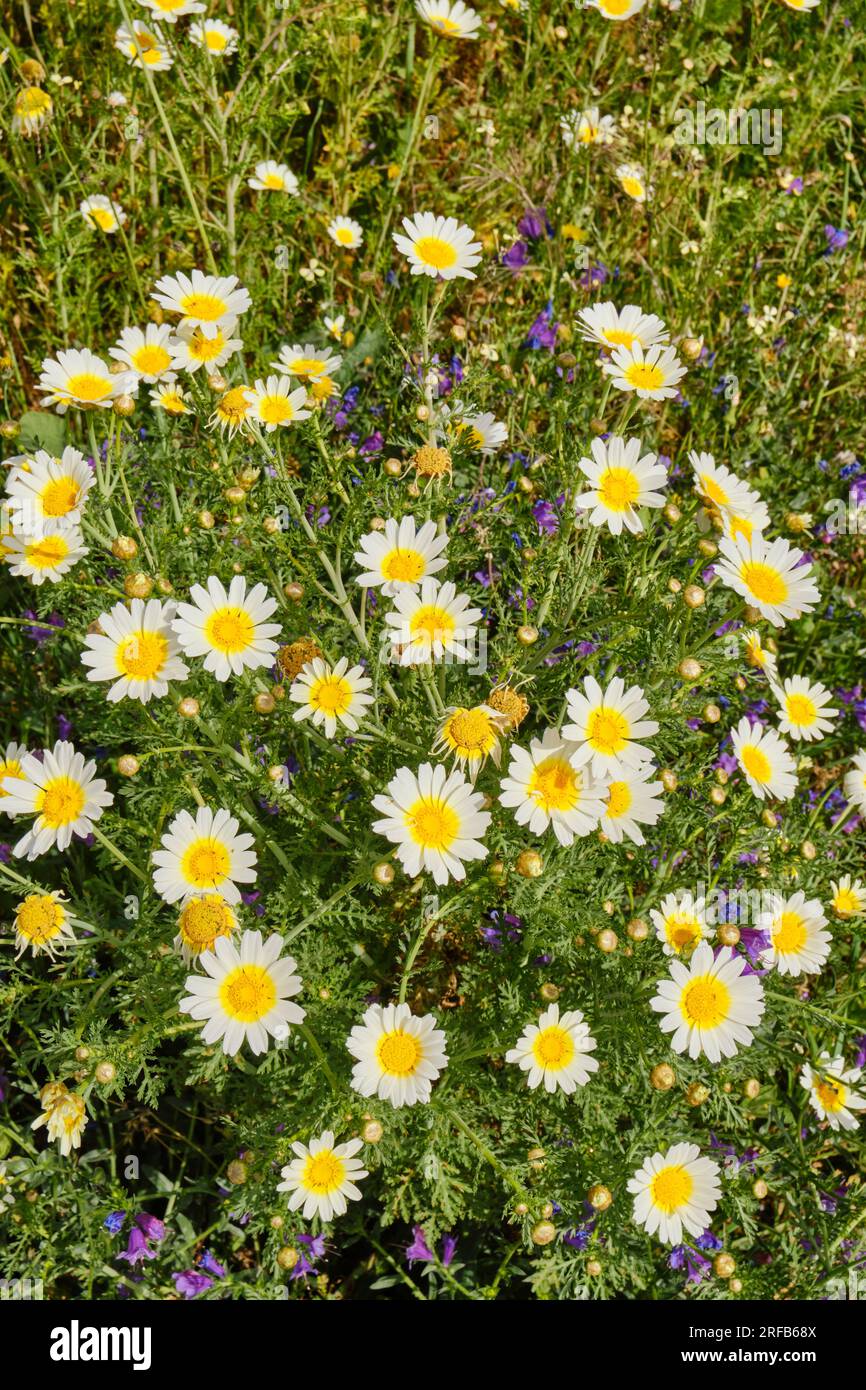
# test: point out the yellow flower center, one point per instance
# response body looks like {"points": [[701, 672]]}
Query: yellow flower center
{"points": [[32, 102], [405, 565], [801, 709], [60, 496], [432, 623], [204, 919], [216, 42], [60, 801], [607, 731], [151, 360], [398, 1053], [332, 694], [845, 901], [555, 785], [44, 554], [39, 918], [445, 24], [705, 1002], [632, 186], [12, 768], [85, 386], [789, 933], [203, 349], [307, 366], [345, 236], [619, 799], [710, 488], [553, 1048], [275, 410], [432, 250], [173, 402], [274, 181], [740, 526], [248, 993], [831, 1094], [469, 733], [230, 629], [208, 308], [618, 489], [150, 56], [756, 763], [141, 655], [103, 217], [682, 930], [206, 863], [765, 583], [672, 1187], [644, 377], [433, 824], [619, 337], [323, 1173]]}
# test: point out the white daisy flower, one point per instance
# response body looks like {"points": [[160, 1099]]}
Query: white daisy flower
{"points": [[271, 177], [232, 410], [400, 556], [229, 629], [136, 650], [587, 127], [798, 943], [49, 489], [331, 695], [273, 403], [432, 623], [438, 246], [63, 794], [32, 110], [172, 10], [346, 233], [144, 46], [217, 39], [399, 1055], [79, 378], [203, 855], [680, 922], [335, 325], [11, 760], [202, 920], [834, 1093], [101, 214], [710, 1006], [322, 1178], [65, 1115], [771, 576], [306, 360], [453, 20], [148, 352], [545, 788], [764, 758], [632, 800], [555, 1052], [626, 327], [621, 482], [42, 924], [46, 553], [674, 1192], [171, 397], [606, 725], [849, 895], [486, 433], [435, 819], [719, 485], [804, 708], [191, 349], [854, 785], [617, 10], [757, 654], [632, 180], [652, 374], [471, 736], [800, 5], [206, 302], [245, 993]]}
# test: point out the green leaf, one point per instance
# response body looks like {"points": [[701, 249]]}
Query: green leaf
{"points": [[40, 429]]}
